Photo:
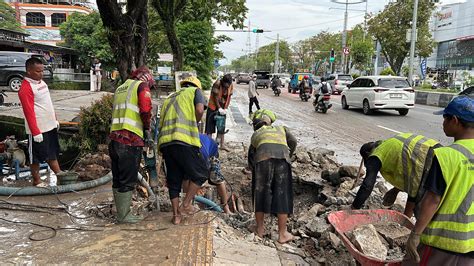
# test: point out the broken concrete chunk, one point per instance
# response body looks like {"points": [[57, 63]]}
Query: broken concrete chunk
{"points": [[394, 233], [350, 171], [367, 241], [310, 214], [344, 188], [332, 177], [335, 241], [319, 152], [312, 179], [317, 227], [303, 157]]}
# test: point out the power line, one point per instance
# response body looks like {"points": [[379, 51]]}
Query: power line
{"points": [[312, 25]]}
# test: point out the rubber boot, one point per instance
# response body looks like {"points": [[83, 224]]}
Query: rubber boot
{"points": [[122, 203]]}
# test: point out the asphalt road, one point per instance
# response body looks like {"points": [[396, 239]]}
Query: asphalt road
{"points": [[341, 130]]}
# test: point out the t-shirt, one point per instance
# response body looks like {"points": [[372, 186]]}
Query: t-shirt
{"points": [[209, 147]]}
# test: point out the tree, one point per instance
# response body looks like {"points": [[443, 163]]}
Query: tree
{"points": [[389, 28], [266, 55], [171, 12], [8, 18], [196, 38], [243, 64], [86, 34], [361, 52], [127, 32]]}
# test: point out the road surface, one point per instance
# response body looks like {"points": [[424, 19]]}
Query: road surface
{"points": [[341, 130]]}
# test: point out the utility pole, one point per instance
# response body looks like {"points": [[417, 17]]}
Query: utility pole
{"points": [[365, 18], [248, 44], [277, 55], [413, 42], [256, 51]]}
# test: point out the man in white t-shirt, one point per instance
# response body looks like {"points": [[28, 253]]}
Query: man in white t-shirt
{"points": [[40, 120]]}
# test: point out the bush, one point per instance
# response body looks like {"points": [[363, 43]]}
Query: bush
{"points": [[95, 123], [387, 71], [74, 86], [354, 76]]}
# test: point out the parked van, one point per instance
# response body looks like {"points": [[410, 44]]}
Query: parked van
{"points": [[12, 68]]}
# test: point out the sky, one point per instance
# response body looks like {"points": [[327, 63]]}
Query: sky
{"points": [[294, 20]]}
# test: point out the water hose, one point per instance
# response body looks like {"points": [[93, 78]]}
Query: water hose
{"points": [[152, 198], [212, 205], [35, 191]]}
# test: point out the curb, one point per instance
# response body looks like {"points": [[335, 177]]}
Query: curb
{"points": [[433, 98]]}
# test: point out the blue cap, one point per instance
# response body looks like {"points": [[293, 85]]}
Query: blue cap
{"points": [[462, 107]]}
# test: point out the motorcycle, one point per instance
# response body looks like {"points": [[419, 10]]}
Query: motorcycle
{"points": [[276, 91], [306, 95], [323, 103]]}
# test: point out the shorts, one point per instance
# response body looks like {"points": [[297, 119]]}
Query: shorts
{"points": [[47, 150], [272, 187], [211, 123], [183, 162]]}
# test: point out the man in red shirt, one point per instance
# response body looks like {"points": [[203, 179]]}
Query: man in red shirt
{"points": [[40, 120], [129, 131]]}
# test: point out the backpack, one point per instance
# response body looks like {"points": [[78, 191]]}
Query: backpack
{"points": [[324, 88]]}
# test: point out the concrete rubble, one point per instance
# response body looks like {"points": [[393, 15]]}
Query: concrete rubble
{"points": [[367, 241]]}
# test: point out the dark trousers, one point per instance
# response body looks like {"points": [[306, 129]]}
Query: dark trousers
{"points": [[252, 101], [125, 164]]}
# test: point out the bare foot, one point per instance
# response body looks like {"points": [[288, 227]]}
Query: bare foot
{"points": [[227, 210], [190, 210], [285, 237], [176, 219], [260, 232], [224, 148]]}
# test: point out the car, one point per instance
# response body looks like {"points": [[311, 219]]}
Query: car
{"points": [[12, 68], [284, 77], [243, 78], [263, 79], [295, 81], [379, 92], [468, 92], [338, 82]]}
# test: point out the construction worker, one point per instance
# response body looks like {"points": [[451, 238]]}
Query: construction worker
{"points": [[210, 152], [180, 145], [219, 101], [129, 132], [40, 121], [260, 112], [445, 226], [403, 161], [269, 158]]}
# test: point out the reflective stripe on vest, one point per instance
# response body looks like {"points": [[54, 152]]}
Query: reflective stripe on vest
{"points": [[452, 227], [269, 135], [126, 113], [178, 121], [403, 160], [259, 113]]}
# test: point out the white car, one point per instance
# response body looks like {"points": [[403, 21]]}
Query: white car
{"points": [[379, 92]]}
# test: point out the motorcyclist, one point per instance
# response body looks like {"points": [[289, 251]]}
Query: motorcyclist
{"points": [[276, 83], [305, 85], [323, 88]]}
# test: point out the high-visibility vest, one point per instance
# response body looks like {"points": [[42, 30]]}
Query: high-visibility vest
{"points": [[452, 227], [212, 104], [403, 160], [178, 119], [270, 143], [259, 113], [126, 113]]}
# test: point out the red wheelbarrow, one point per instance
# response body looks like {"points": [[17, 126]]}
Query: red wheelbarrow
{"points": [[345, 221]]}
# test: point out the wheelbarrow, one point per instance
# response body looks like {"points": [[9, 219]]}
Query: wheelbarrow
{"points": [[346, 221]]}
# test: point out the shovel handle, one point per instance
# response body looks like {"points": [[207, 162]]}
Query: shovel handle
{"points": [[358, 173]]}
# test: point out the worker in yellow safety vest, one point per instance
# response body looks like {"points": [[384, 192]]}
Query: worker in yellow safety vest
{"points": [[129, 132], [403, 161], [445, 226], [180, 144], [269, 158], [260, 112]]}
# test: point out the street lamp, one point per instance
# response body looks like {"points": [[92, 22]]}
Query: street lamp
{"points": [[344, 32]]}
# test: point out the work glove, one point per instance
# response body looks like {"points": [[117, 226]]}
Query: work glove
{"points": [[412, 247], [57, 125], [148, 138], [38, 138], [221, 111]]}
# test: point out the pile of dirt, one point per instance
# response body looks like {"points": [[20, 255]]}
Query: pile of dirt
{"points": [[93, 165], [321, 185]]}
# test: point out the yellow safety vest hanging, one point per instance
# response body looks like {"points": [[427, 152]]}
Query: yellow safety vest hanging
{"points": [[452, 227], [126, 113], [403, 160], [178, 119]]}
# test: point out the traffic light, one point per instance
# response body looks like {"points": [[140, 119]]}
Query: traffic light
{"points": [[257, 31], [332, 55]]}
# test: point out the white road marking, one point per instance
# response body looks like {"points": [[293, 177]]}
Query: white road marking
{"points": [[389, 129]]}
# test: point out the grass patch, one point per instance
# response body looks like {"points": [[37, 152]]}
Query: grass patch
{"points": [[68, 85], [428, 89]]}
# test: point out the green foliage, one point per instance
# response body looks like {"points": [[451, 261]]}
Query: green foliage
{"points": [[243, 64], [157, 40], [405, 70], [86, 34], [196, 39], [387, 72], [389, 28], [362, 52], [95, 123], [354, 76], [266, 56], [69, 85], [8, 18], [317, 49]]}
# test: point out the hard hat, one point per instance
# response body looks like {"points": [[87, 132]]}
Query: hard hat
{"points": [[306, 77], [192, 80]]}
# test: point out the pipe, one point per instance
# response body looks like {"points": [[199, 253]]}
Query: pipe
{"points": [[35, 191], [152, 198], [213, 206]]}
